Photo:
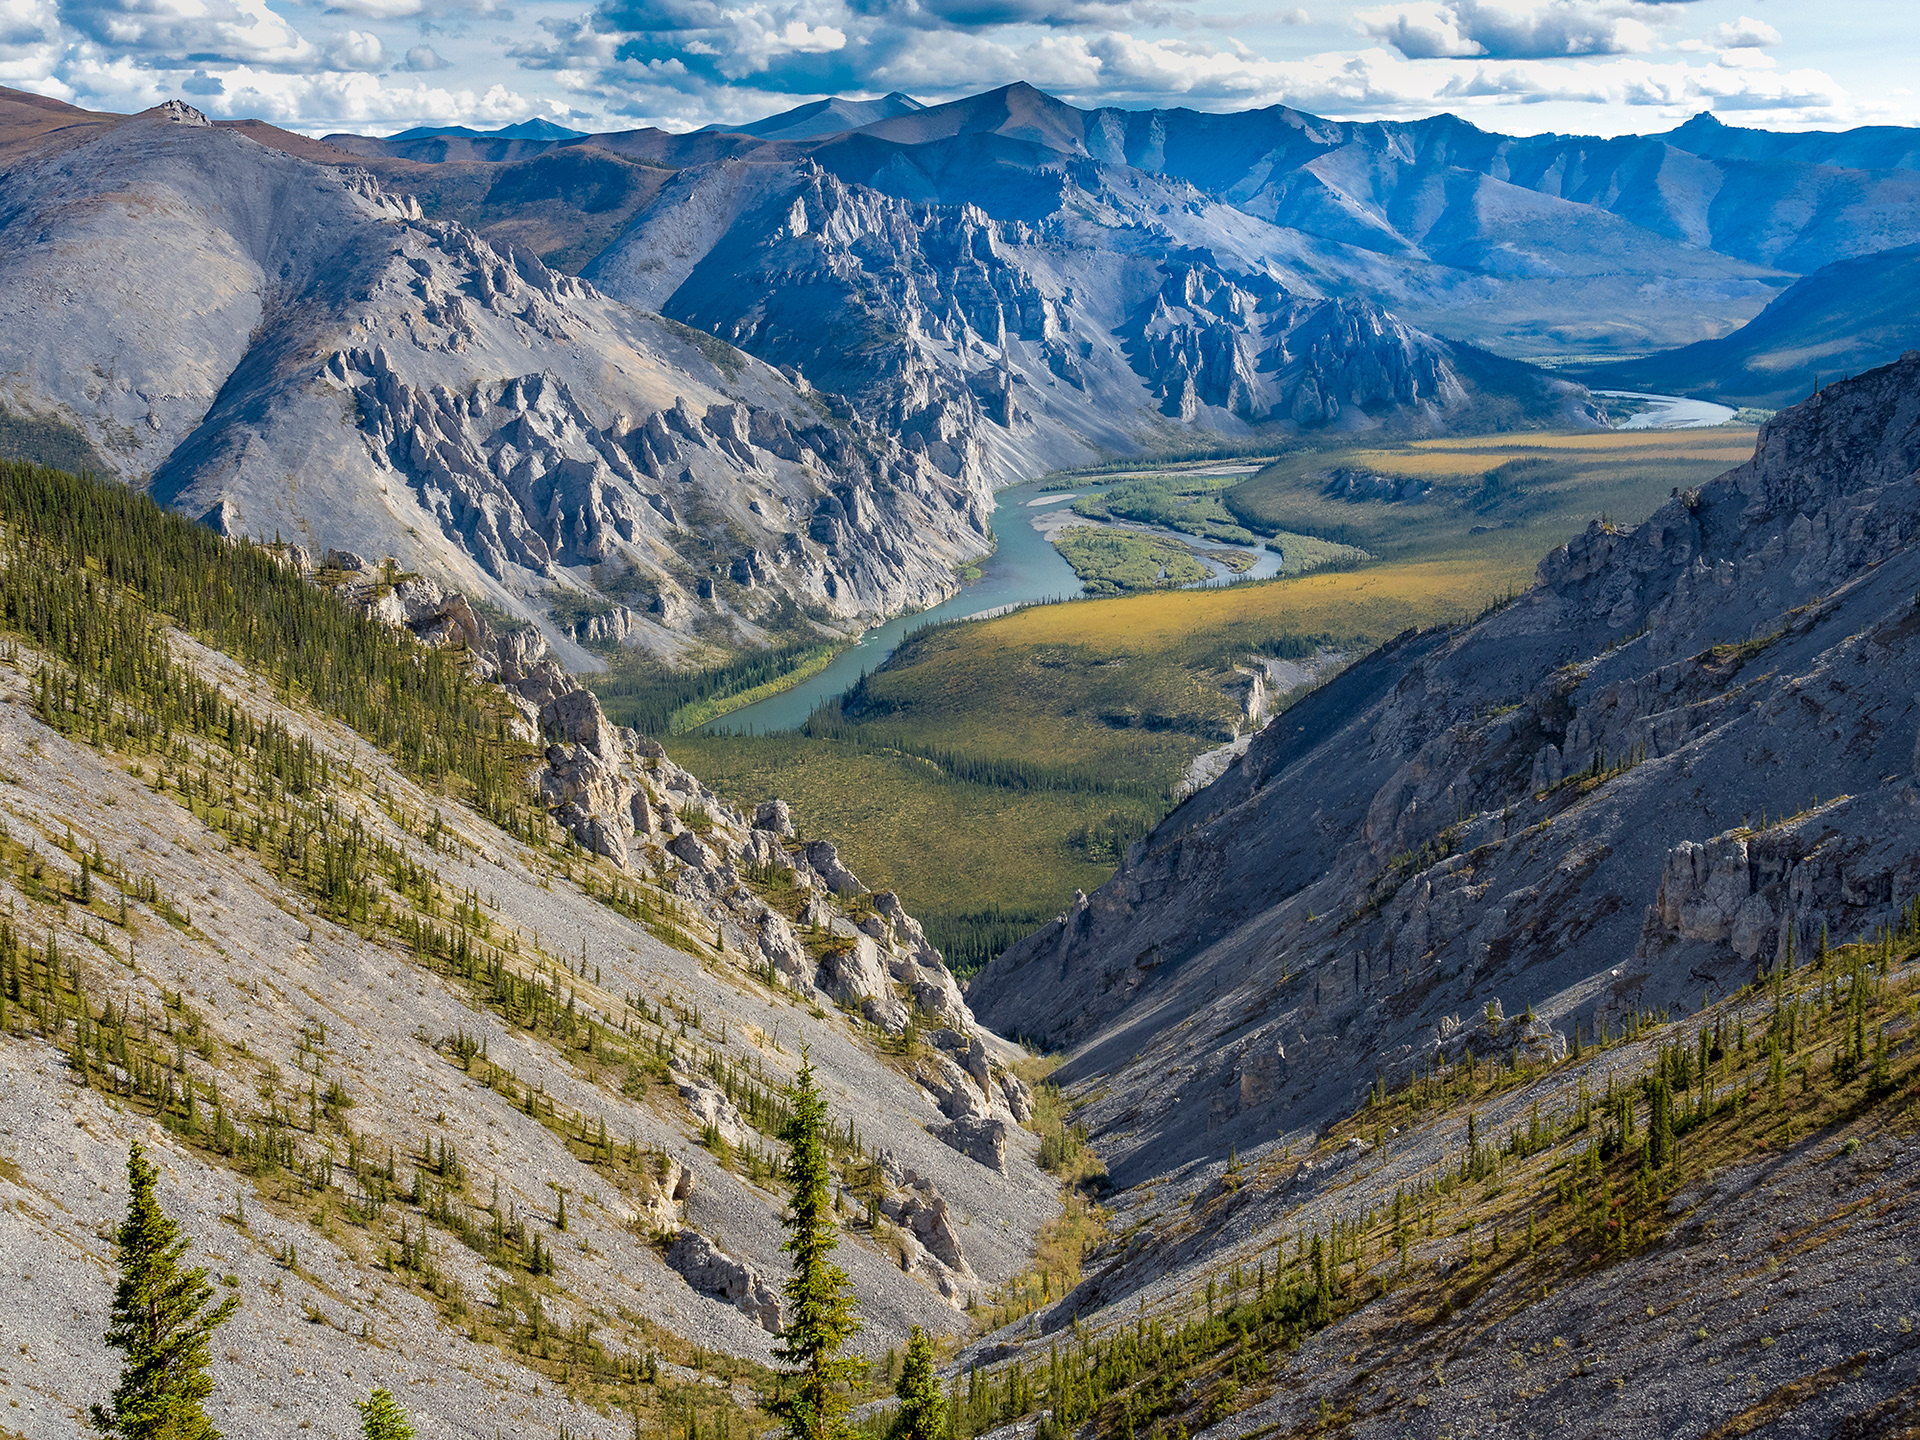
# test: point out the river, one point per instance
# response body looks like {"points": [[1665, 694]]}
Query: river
{"points": [[1023, 568], [1671, 412]]}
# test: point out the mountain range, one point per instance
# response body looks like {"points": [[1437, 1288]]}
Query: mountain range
{"points": [[711, 391]]}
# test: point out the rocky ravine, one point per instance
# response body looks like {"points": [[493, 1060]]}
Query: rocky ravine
{"points": [[275, 996], [1690, 745], [288, 351]]}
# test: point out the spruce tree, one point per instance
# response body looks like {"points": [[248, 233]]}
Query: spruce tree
{"points": [[814, 1402], [923, 1409], [1661, 1151], [382, 1417], [161, 1321]]}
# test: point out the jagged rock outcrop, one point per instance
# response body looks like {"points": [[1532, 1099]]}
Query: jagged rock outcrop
{"points": [[1245, 345], [1572, 807], [1022, 331], [928, 1239], [710, 1270], [299, 353]]}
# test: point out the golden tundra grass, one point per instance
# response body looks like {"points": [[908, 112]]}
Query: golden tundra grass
{"points": [[1378, 601]]}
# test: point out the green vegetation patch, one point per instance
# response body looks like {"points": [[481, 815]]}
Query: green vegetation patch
{"points": [[1111, 561], [90, 566], [645, 695], [47, 440], [1301, 553], [979, 865], [1188, 503]]}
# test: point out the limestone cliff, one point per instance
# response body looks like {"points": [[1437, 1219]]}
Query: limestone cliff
{"points": [[291, 352]]}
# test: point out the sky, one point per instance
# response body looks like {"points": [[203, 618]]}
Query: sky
{"points": [[1603, 67]]}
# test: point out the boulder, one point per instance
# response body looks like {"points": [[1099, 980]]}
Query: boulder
{"points": [[825, 860], [711, 1107], [1019, 1096], [983, 1141], [856, 977]]}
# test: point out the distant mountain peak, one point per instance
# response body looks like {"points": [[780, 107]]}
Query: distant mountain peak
{"points": [[534, 129], [819, 119], [1704, 123]]}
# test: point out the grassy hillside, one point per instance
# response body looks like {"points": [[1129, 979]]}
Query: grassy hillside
{"points": [[1850, 316], [1503, 500]]}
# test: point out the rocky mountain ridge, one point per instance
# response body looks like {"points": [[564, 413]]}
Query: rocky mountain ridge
{"points": [[589, 1155], [1106, 315], [286, 349], [618, 795], [1683, 752], [1527, 245]]}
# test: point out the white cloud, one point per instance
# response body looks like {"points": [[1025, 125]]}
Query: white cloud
{"points": [[1511, 29], [356, 50], [378, 9], [1123, 69], [314, 103], [27, 24], [237, 31], [1511, 65], [1746, 33]]}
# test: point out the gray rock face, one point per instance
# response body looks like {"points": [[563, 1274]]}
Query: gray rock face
{"points": [[460, 407], [712, 1109], [774, 816], [710, 1270], [978, 1139], [1254, 350], [855, 977], [929, 1241], [1613, 839]]}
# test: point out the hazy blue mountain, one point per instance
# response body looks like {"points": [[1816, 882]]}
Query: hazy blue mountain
{"points": [[1851, 316], [1533, 245], [535, 129], [823, 117]]}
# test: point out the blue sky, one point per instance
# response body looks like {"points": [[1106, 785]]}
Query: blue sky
{"points": [[1517, 66]]}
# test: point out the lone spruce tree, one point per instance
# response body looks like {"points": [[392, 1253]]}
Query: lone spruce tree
{"points": [[383, 1418], [161, 1321], [923, 1409], [814, 1402]]}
